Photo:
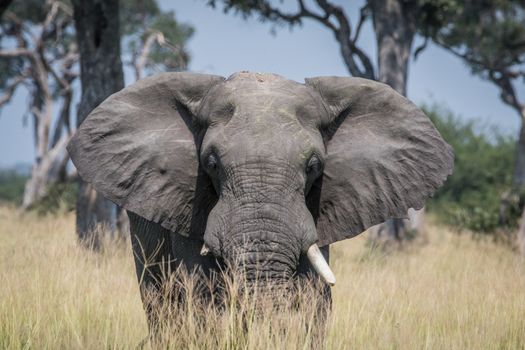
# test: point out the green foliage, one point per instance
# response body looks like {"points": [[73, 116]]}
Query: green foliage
{"points": [[9, 67], [60, 197], [134, 13], [172, 57], [33, 11], [20, 27], [140, 19], [12, 186], [484, 159], [489, 34]]}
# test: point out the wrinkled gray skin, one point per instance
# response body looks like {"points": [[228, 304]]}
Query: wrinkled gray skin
{"points": [[256, 166]]}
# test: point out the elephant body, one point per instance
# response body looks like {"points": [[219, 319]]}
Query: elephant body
{"points": [[256, 172]]}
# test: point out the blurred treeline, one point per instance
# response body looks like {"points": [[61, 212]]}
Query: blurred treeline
{"points": [[484, 156], [60, 197], [41, 51]]}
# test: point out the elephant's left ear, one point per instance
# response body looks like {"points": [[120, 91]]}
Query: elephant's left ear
{"points": [[384, 156]]}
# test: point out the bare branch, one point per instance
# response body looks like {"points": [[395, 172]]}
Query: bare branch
{"points": [[63, 118], [17, 52], [59, 25], [178, 51], [20, 28], [65, 8], [141, 61], [36, 112], [514, 74], [348, 47], [363, 15], [507, 90], [341, 29], [10, 90], [465, 56], [501, 77], [70, 59], [420, 48], [155, 37], [51, 15]]}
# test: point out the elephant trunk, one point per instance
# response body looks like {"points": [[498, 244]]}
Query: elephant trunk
{"points": [[264, 243], [260, 255]]}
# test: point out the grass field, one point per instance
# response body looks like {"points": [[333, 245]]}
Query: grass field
{"points": [[452, 293]]}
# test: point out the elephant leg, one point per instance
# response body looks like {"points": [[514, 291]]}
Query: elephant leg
{"points": [[151, 246], [162, 256]]}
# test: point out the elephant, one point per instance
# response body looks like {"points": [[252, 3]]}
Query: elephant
{"points": [[256, 170]]}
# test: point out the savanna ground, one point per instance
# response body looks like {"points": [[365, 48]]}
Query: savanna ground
{"points": [[452, 293]]}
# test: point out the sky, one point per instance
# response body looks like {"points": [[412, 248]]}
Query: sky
{"points": [[224, 44]]}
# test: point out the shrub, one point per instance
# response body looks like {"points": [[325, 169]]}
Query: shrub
{"points": [[12, 186], [60, 197], [484, 161]]}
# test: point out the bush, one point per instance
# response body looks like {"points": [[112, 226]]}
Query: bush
{"points": [[12, 186], [60, 197], [484, 162]]}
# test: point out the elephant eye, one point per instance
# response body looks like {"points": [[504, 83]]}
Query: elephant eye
{"points": [[212, 167], [212, 163], [314, 166]]}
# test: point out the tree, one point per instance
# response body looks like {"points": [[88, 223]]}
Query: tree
{"points": [[4, 4], [396, 23], [470, 198], [155, 39], [489, 36], [98, 38], [155, 42], [39, 53]]}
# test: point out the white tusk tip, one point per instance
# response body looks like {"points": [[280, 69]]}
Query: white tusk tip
{"points": [[320, 265], [330, 281], [205, 250]]}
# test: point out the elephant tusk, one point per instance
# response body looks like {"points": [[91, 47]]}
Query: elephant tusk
{"points": [[320, 265], [205, 250]]}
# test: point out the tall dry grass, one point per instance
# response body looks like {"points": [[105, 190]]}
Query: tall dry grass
{"points": [[452, 293]]}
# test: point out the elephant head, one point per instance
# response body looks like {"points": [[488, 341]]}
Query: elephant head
{"points": [[260, 168]]}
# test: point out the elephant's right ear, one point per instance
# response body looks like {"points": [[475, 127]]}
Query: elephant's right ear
{"points": [[139, 148]]}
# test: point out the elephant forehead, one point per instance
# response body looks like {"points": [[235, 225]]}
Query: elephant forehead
{"points": [[272, 136], [255, 76], [274, 107], [256, 97], [256, 89]]}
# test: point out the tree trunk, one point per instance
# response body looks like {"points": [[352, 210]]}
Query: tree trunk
{"points": [[511, 198], [521, 235], [51, 169], [518, 181], [50, 162], [395, 28], [98, 37], [4, 4]]}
